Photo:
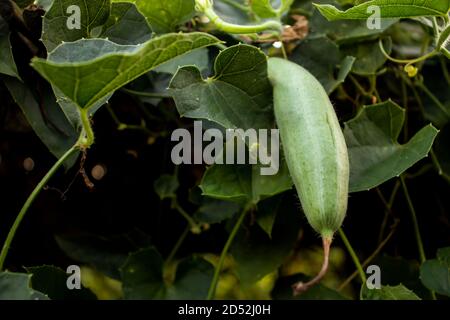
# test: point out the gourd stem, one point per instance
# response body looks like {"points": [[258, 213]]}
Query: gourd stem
{"points": [[301, 287], [30, 200]]}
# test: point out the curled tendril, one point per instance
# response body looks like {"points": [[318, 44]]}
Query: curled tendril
{"points": [[409, 64]]}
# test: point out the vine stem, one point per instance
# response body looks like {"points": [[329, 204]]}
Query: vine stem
{"points": [[30, 200], [85, 141], [371, 257], [388, 208], [195, 228], [439, 169], [422, 255], [223, 255], [87, 136], [353, 255], [178, 245], [414, 220]]}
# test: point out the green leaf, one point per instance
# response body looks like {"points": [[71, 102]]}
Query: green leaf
{"points": [[435, 274], [236, 11], [346, 31], [126, 25], [87, 71], [309, 54], [58, 140], [53, 282], [286, 5], [198, 58], [215, 211], [397, 271], [399, 292], [16, 286], [244, 183], [55, 24], [283, 290], [263, 8], [256, 254], [142, 276], [267, 212], [165, 15], [375, 155], [266, 9], [238, 96], [166, 186], [369, 58], [388, 9], [443, 254], [192, 280], [106, 255], [7, 64]]}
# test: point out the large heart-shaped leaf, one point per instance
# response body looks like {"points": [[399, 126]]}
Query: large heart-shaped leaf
{"points": [[142, 276], [375, 154], [16, 286], [165, 15], [126, 25], [56, 23], [238, 96], [435, 274], [87, 71], [388, 9], [120, 22]]}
